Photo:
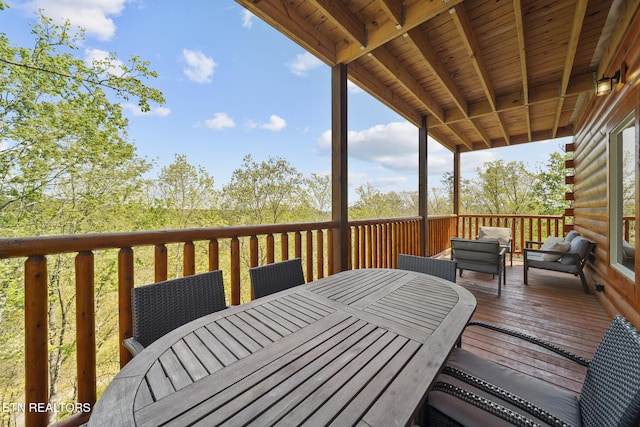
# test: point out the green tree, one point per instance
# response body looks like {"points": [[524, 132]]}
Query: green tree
{"points": [[262, 193], [316, 192], [66, 167], [51, 102], [548, 196], [503, 188]]}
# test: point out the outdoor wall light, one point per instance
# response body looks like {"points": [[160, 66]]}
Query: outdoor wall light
{"points": [[604, 86]]}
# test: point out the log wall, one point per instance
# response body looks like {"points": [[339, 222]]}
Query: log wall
{"points": [[591, 180]]}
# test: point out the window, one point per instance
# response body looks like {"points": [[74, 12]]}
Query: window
{"points": [[623, 182]]}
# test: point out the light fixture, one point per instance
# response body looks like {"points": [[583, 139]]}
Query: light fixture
{"points": [[604, 86]]}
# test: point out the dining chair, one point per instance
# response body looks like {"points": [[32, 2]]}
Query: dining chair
{"points": [[473, 391], [443, 268], [271, 278], [161, 307]]}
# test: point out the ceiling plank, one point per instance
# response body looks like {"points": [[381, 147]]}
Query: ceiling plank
{"points": [[416, 14], [517, 6], [291, 24], [388, 61], [347, 21]]}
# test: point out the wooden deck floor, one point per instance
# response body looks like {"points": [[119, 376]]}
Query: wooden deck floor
{"points": [[553, 307]]}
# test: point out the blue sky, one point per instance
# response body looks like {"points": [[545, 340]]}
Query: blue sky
{"points": [[234, 86]]}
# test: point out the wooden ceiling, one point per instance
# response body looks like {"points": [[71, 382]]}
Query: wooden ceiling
{"points": [[485, 73]]}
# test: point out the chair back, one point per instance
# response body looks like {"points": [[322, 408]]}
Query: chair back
{"points": [[161, 307], [611, 391], [443, 268], [271, 278]]}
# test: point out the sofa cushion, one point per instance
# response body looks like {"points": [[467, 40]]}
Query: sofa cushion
{"points": [[580, 246], [552, 243], [501, 234], [559, 402], [571, 235]]}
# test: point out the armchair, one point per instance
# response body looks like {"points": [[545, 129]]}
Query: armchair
{"points": [[484, 256], [473, 391]]}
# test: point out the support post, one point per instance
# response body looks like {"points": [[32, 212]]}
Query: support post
{"points": [[423, 187], [339, 182], [456, 187]]}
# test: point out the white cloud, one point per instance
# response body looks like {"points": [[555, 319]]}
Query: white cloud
{"points": [[220, 121], [247, 19], [95, 16], [303, 63], [155, 112], [275, 124], [199, 67], [352, 88], [91, 55], [393, 146]]}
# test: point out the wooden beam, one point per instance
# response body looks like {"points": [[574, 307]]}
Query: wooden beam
{"points": [[463, 24], [389, 62], [577, 85], [395, 9], [339, 167], [416, 14], [468, 37], [382, 93], [517, 6], [338, 13], [439, 72], [423, 186], [576, 29]]}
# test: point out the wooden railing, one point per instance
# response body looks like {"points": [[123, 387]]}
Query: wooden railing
{"points": [[373, 243], [523, 227]]}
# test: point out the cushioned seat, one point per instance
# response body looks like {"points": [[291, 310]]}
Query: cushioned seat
{"points": [[501, 234], [472, 391], [568, 255], [484, 256], [562, 403]]}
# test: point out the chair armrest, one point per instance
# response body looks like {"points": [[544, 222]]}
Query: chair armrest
{"points": [[529, 243], [545, 344], [500, 393], [483, 403], [133, 346]]}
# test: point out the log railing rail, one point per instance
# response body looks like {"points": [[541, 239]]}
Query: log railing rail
{"points": [[373, 243], [379, 240], [523, 227]]}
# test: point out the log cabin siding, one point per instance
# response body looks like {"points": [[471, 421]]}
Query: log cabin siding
{"points": [[591, 180]]}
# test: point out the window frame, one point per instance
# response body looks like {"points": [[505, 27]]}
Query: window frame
{"points": [[616, 222]]}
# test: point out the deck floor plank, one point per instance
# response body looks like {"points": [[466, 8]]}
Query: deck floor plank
{"points": [[553, 307]]}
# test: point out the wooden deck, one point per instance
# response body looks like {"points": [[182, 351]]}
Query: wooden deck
{"points": [[553, 307]]}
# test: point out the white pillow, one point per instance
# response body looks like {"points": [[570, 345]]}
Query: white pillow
{"points": [[554, 245]]}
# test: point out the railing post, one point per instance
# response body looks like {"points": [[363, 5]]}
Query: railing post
{"points": [[160, 263], [214, 255], [125, 284], [36, 339], [85, 328], [235, 271], [189, 259]]}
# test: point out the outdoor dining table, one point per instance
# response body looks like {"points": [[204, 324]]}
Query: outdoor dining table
{"points": [[360, 347]]}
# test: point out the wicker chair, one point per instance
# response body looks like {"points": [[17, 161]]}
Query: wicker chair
{"points": [[443, 268], [271, 278], [161, 307], [472, 391]]}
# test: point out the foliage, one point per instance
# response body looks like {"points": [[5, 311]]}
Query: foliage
{"points": [[262, 193]]}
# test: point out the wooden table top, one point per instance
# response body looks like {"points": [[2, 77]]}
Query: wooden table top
{"points": [[360, 347]]}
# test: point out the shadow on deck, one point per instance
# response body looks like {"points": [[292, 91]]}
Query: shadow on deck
{"points": [[553, 307]]}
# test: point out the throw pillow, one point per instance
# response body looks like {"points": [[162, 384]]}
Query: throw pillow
{"points": [[558, 247], [501, 234]]}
